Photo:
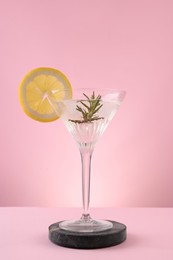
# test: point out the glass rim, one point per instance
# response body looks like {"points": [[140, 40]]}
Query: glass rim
{"points": [[101, 89], [77, 93]]}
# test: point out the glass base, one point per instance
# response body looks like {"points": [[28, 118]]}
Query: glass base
{"points": [[86, 224]]}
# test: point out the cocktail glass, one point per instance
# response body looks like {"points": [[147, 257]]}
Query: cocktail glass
{"points": [[86, 117]]}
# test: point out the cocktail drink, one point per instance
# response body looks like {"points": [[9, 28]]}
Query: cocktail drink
{"points": [[46, 95], [86, 117]]}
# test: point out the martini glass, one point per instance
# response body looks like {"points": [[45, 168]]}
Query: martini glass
{"points": [[86, 117]]}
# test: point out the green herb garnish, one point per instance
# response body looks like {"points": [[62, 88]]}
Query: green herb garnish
{"points": [[89, 109]]}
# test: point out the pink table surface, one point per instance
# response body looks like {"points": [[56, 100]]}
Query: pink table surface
{"points": [[24, 234]]}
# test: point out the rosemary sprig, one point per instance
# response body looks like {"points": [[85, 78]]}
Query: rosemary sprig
{"points": [[89, 109]]}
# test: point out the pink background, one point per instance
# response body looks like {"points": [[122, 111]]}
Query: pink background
{"points": [[125, 44]]}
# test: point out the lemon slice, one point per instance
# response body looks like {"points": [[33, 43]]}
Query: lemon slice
{"points": [[41, 92]]}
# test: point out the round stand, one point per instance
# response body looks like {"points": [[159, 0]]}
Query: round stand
{"points": [[88, 240]]}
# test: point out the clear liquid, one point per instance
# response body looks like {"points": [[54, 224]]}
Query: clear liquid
{"points": [[88, 132]]}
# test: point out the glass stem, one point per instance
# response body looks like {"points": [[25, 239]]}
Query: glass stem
{"points": [[86, 155]]}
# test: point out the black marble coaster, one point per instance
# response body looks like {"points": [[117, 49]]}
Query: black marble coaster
{"points": [[88, 240]]}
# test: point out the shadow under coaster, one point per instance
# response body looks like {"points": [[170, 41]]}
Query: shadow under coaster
{"points": [[88, 240]]}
